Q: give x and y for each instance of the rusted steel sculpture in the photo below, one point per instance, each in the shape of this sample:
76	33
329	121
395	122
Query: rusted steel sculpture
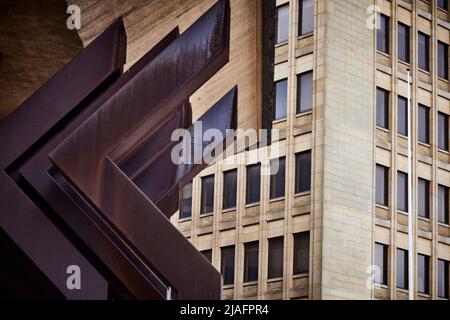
87	178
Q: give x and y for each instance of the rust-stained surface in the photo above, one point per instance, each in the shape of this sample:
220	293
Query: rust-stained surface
104	206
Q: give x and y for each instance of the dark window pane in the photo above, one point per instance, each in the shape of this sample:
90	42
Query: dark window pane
253	183
305	92
382	108
443	131
424	124
186	201
382	196
281	99
301	253
443	284
251	261
443	204
275	262
229	189
207	254
423	274
442	4
424	52
403	42
282	23
381	257
278	173
402	269
442	60
383	34
402	191
207	204
402	116
227	264
303	172
306	20
424	198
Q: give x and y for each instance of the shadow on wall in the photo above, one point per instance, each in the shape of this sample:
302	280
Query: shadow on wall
35	44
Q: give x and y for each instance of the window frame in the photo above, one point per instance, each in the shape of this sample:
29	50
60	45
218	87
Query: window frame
225	195
301	33
385	36
405	269
181	214
299	171
426	276
275	259
203	205
299	265
423	183
277	186
425	68
224	266
425	122
300	108
444	60
251	275
248	198
386	97
385	185
277	23
276	118
407	58
383	276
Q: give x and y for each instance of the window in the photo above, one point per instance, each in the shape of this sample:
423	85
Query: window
402	269
423	277
443	284
227	265
303	172
253	183
424	124
382	108
282	23
443	60
424	198
306	20
443	131
402	116
301	253
382	175
381	258
229	189
442	4
424	51
207	204
278	173
443	212
281	99
402	191
275	266
383	34
305	92
207	254
403	42
186	201
251	261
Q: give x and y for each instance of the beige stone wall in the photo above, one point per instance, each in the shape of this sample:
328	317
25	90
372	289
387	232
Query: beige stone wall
345	69
35	44
147	21
391	225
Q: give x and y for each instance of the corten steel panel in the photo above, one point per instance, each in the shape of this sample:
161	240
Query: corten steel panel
153	96
29	129
119	226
